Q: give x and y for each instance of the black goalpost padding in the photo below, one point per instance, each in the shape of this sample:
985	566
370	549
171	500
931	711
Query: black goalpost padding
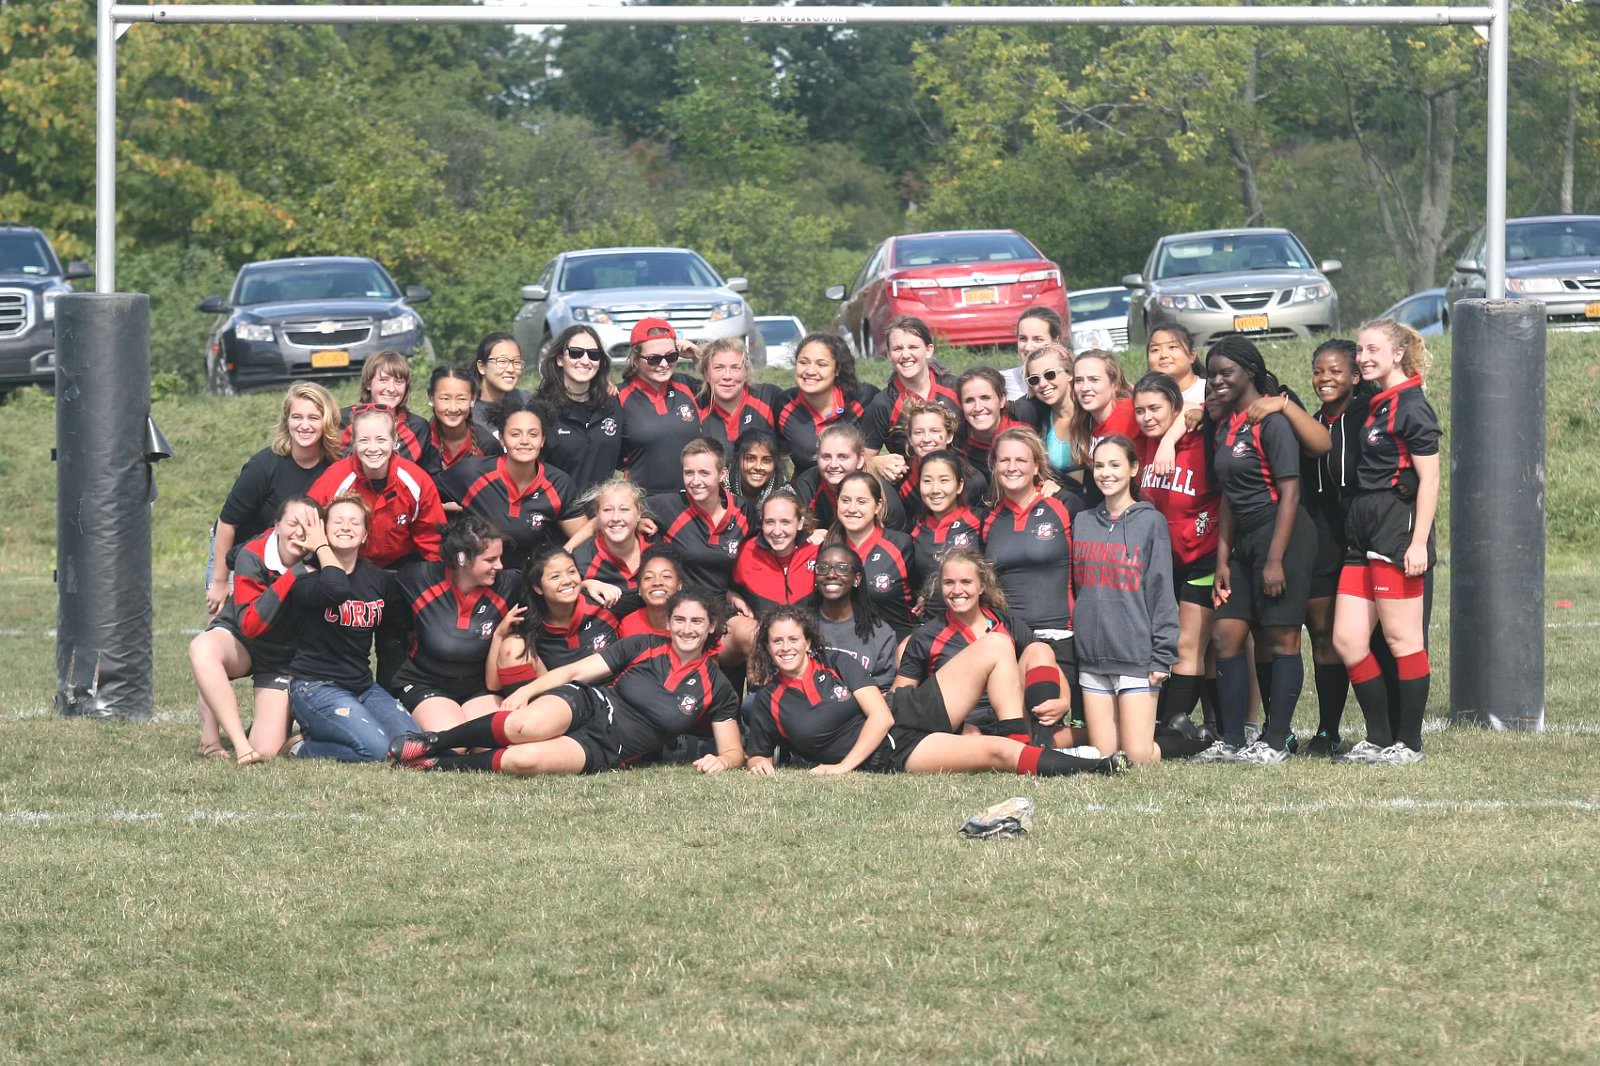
1497	493
105	443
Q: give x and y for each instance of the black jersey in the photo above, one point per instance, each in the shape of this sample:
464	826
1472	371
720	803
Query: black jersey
881	422
529	518
482	408
336	615
757	411
256	611
815	715
1399	426
1251	461
659	696
800	426
942	638
596	563
821	497
975	451
410	434
657	421
439	456
889	574
591	629
961	527
708	548
450	629
264	482
1031	548
586	442
975	486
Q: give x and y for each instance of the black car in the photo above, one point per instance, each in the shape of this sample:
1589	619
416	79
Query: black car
315	318
31	277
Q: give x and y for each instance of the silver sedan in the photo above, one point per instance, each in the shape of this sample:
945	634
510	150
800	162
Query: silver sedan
1554	259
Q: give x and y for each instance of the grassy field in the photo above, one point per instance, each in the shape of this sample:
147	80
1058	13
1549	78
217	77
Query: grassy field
158	908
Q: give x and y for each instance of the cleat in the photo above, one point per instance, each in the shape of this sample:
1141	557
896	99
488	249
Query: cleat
1365	753
408	748
1260	754
1116	763
1398	755
1321	744
1184	726
1219	751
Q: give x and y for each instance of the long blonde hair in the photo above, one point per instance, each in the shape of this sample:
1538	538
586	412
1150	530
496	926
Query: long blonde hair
1029	439
1414	357
309	390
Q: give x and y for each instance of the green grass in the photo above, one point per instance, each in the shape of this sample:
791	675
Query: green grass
157	908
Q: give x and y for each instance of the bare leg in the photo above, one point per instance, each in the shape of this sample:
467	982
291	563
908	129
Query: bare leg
943	753
478	706
546	718
1136	726
1100	715
216	658
438	713
1194	639
559	755
1353	621
987	666
270	730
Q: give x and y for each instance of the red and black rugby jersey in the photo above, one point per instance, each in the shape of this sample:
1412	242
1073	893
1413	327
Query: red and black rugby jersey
591	629
659	696
975	486
756	411
1188	498
657	421
931	538
1031	548
410	434
815	715
800	426
708	548
529	518
821	497
451	630
1399	426
596	563
255	612
1250	461
766	581
880	424
975	450
889	574
438	455
943	637
336	615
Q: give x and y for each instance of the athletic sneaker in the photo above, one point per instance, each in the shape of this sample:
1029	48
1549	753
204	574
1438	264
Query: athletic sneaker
1261	754
1006	819
1324	743
1365	753
1219	751
408	748
1398	754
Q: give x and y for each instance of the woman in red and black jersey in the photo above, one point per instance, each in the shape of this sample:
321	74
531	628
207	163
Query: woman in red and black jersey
386	380
531	503
562	625
1389	530
659	412
402	500
304	443
703	520
609	560
452	434
660	579
775	568
821	705
917	376
948	521
840	451
888	564
455	606
585	437
731	405
930	426
606	711
985	413
825	391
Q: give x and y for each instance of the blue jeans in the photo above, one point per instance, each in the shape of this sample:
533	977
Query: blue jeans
349	727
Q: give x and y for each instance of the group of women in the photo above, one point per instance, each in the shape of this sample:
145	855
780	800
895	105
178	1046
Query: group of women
940	575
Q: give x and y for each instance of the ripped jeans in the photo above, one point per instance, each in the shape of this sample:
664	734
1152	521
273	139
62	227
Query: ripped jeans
346	726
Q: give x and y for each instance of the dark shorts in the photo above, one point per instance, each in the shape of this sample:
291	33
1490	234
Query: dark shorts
1194	581
1380	523
412	686
1247	601
592	715
1066	654
896	749
1329	559
268	670
921	707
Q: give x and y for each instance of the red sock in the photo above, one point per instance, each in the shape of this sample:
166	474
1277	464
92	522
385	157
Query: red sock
497	727
1028	761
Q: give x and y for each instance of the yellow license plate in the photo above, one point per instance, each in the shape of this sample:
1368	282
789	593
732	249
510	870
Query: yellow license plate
1592	310
988	294
331	357
1249	323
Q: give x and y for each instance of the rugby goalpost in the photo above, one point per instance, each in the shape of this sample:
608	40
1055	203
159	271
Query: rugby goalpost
104	483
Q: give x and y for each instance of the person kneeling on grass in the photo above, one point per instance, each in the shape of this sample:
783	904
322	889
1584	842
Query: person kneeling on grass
822	706
605	711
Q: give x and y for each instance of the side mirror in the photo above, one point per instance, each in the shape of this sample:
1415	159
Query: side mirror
213	305
1331	266
535	293
79	268
738	284
417	294
1465	265
834	292
1133	281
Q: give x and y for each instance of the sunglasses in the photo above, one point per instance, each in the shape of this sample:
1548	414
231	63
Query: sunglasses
1048	375
664	359
842	569
587	355
370	408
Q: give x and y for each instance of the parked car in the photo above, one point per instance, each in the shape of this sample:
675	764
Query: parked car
1100	318
31	277
969	286
782	334
1554	259
609	289
1422	311
1259	282
319	317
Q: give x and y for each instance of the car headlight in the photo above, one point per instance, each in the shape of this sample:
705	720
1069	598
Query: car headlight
597	315
398	324
1320	291
49	299
732	309
1534	285
253	331
1084	339
1181	301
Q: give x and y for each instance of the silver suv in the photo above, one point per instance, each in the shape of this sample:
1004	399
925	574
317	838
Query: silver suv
609	289
1259	282
1554	259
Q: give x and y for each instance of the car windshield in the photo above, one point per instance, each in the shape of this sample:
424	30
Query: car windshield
949	249
779	330
314	281
1567	238
1109	304
1232	254
25	254
637	270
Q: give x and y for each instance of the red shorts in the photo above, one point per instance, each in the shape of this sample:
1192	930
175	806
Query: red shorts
1378	580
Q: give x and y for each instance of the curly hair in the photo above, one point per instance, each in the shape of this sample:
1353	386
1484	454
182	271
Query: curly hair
763	670
332	449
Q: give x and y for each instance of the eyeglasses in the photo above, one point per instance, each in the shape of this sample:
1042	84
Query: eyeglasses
370	408
842	569
664	359
1048	375
505	363
587	355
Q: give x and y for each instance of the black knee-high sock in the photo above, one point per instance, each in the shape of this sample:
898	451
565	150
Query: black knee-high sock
1415	676
1264	683
478	761
1177	746
1180	692
1288	677
1333	685
1367	681
1048	762
1391	678
1208	705
1233	696
487	731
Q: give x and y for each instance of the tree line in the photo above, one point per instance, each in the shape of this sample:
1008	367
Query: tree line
464	157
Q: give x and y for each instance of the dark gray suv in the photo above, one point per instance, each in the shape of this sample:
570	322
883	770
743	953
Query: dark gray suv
31	277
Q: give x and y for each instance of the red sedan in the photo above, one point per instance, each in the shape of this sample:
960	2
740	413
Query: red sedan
969	286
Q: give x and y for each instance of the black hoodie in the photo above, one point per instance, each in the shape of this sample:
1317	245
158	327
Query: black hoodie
1125	616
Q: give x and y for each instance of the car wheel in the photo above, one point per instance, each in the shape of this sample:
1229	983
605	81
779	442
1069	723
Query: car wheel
218	383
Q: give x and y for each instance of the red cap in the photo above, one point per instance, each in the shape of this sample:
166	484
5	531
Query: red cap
649	329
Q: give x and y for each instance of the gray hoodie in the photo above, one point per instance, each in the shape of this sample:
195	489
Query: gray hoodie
1125	615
